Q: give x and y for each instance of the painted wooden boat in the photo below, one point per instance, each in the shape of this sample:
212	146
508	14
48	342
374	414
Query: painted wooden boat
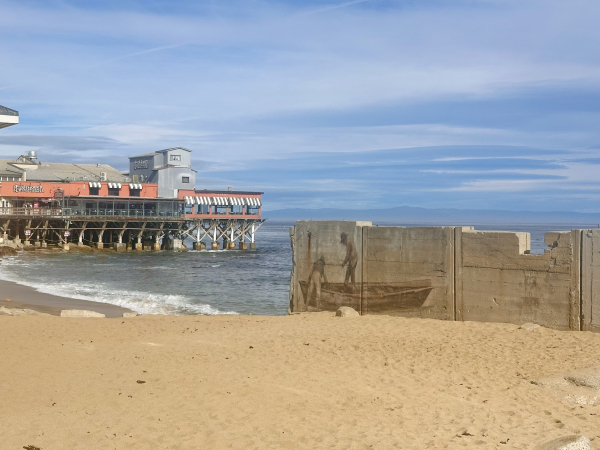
376	297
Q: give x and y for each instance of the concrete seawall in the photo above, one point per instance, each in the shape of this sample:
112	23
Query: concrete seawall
448	273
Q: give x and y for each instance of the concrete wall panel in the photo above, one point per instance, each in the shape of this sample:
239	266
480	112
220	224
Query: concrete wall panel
409	272
501	282
590	280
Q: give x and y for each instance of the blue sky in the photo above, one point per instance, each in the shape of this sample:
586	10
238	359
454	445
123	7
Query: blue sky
360	104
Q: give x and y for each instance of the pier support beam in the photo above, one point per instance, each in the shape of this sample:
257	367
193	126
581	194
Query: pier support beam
243	246
100	243
121	232
45	233
139	245
119	247
215	245
177	245
27	233
81	232
5	231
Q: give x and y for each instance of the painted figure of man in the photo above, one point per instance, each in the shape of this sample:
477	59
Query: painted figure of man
318	272
351	260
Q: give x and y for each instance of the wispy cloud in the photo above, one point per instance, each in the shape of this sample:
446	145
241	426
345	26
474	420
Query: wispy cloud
332	7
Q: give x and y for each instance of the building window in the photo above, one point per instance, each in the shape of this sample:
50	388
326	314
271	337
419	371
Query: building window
134	192
114	192
175	157
94	191
185	179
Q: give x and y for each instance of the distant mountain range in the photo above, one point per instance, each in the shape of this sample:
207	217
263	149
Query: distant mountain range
421	216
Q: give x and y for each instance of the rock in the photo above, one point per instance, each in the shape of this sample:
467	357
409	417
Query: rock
5	250
4	311
346	311
529	326
581	387
80	313
130	314
576	442
82	248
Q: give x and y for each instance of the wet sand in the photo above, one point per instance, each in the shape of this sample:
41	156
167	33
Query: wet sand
25	297
292	382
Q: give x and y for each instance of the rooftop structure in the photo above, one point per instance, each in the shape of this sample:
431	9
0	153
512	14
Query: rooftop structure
27	168
171	169
8	117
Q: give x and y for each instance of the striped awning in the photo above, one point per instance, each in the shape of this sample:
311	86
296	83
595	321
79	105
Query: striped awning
135	186
223	201
94	184
114	185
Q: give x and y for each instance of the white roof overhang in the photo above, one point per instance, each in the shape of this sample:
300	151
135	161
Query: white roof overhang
7	121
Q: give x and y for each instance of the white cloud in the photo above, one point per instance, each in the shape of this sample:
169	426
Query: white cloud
502	185
99	65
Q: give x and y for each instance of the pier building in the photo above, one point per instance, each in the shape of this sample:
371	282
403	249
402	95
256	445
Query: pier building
154	206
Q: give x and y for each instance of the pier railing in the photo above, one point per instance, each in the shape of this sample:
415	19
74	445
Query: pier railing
28	212
67	213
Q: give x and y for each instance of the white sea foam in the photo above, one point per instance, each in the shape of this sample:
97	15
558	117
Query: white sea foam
140	302
161	268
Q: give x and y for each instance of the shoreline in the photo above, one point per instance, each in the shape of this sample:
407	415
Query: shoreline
25	297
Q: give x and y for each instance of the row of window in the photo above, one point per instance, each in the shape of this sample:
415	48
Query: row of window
231	209
2	178
114	192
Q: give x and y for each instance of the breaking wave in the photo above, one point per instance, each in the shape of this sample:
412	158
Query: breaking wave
140	302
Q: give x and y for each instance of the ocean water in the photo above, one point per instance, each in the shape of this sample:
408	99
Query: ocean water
207	282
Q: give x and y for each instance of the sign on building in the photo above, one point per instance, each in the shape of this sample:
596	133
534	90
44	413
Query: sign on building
140	164
26	188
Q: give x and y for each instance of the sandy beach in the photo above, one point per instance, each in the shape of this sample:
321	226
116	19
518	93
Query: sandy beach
300	381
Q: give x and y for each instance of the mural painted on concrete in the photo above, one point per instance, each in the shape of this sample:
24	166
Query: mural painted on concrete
319	294
375	270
